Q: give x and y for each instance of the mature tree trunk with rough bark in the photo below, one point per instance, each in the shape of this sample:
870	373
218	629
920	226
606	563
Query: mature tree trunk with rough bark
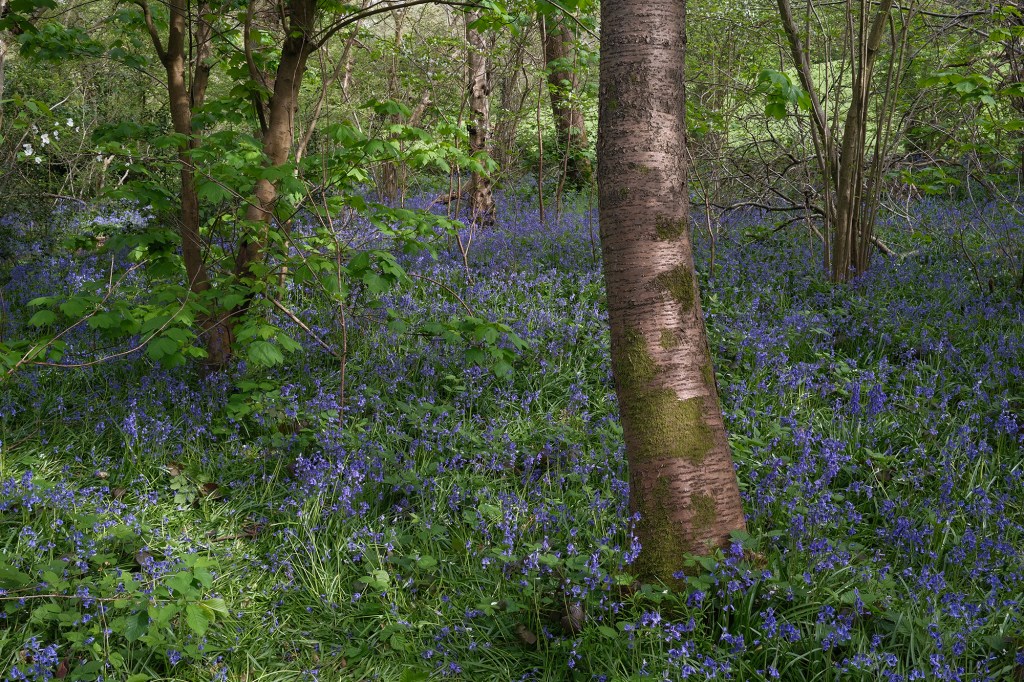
182	97
481	200
563	82
682	479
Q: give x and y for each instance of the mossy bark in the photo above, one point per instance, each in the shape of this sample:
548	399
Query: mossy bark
682	479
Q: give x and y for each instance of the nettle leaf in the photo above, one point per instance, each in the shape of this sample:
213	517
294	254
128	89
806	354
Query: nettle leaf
181	583
136	625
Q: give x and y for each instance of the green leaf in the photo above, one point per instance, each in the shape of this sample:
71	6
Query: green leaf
217	605
161	347
43	318
197	619
73	307
136	626
776	110
265	354
181	583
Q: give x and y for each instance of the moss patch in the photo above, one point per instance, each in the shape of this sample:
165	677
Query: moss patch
704	510
665	426
669	339
708	372
661	423
678	282
662	540
668	229
634	368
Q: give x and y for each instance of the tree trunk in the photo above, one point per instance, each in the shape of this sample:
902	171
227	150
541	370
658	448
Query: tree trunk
3	60
1013	51
481	200
280	133
682	479
217	330
392	173
563	82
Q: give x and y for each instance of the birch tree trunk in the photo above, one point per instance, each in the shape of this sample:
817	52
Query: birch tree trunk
682	479
481	199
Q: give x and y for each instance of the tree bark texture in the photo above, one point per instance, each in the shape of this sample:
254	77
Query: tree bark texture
682	479
563	83
481	199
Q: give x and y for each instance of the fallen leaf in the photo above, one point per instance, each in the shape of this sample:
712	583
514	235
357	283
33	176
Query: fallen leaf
525	636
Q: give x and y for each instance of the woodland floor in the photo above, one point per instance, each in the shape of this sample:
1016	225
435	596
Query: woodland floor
159	524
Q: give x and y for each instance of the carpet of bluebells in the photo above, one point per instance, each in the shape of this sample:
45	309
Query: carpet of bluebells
172	524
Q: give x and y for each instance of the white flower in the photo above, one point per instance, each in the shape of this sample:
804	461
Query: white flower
39	159
70	122
28	149
99	158
45	139
56	134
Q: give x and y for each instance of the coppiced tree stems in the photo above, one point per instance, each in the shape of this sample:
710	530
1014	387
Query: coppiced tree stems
682	480
848	211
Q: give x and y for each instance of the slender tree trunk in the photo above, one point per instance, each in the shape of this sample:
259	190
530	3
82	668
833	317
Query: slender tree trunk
682	480
392	172
181	95
563	83
1013	50
481	199
280	132
343	73
3	60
